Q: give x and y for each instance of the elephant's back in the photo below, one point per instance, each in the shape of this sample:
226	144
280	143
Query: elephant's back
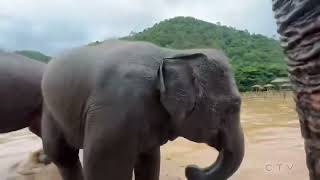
21	68
20	92
20	81
84	66
76	73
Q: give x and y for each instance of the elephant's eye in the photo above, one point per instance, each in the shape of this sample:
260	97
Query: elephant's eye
213	107
233	109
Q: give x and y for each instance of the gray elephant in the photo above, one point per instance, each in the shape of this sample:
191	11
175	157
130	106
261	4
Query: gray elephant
20	93
120	101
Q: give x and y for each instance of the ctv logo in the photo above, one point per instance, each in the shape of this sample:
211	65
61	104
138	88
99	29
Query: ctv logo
278	167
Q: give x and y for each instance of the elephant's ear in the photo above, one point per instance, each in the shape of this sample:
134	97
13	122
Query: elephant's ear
179	85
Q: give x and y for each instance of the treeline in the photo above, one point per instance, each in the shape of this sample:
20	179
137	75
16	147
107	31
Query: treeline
34	55
255	59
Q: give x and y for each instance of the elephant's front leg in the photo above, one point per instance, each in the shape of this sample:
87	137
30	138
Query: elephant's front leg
104	160
110	146
147	165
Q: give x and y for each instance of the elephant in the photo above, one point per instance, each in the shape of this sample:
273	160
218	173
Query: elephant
299	26
20	92
120	101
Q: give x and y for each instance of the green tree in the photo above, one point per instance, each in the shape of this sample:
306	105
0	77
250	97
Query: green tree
255	59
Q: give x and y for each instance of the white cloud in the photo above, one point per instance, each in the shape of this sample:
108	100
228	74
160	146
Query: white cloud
51	26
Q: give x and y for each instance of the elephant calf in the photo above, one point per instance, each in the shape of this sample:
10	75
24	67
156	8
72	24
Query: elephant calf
120	101
20	93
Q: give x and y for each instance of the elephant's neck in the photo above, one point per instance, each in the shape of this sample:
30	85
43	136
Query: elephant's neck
156	135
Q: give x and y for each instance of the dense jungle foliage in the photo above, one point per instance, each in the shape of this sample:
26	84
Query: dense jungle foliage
255	59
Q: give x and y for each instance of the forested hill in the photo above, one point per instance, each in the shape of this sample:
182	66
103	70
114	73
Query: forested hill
34	55
256	59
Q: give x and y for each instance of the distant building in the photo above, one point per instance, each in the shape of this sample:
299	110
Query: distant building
257	87
282	83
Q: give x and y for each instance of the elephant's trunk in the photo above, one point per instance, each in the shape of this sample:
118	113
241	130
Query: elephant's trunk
299	26
228	161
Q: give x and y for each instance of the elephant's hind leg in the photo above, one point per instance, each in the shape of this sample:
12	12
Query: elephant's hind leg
59	151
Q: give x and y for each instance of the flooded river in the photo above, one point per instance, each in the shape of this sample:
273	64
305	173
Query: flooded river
274	147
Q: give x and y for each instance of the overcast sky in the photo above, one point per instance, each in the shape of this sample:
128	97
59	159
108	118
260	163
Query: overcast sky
53	25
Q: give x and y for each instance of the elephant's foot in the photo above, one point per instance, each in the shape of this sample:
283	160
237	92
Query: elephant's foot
41	157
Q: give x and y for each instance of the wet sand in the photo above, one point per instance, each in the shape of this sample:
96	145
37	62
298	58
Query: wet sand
274	147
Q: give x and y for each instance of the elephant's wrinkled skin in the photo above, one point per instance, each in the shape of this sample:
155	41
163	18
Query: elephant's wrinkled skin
120	101
299	27
20	93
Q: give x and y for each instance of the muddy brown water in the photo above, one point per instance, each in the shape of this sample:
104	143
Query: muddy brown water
274	147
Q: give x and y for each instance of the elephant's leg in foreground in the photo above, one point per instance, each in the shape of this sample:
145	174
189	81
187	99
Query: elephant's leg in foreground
299	26
60	152
107	150
147	165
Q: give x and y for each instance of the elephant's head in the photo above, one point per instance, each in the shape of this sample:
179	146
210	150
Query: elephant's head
199	92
